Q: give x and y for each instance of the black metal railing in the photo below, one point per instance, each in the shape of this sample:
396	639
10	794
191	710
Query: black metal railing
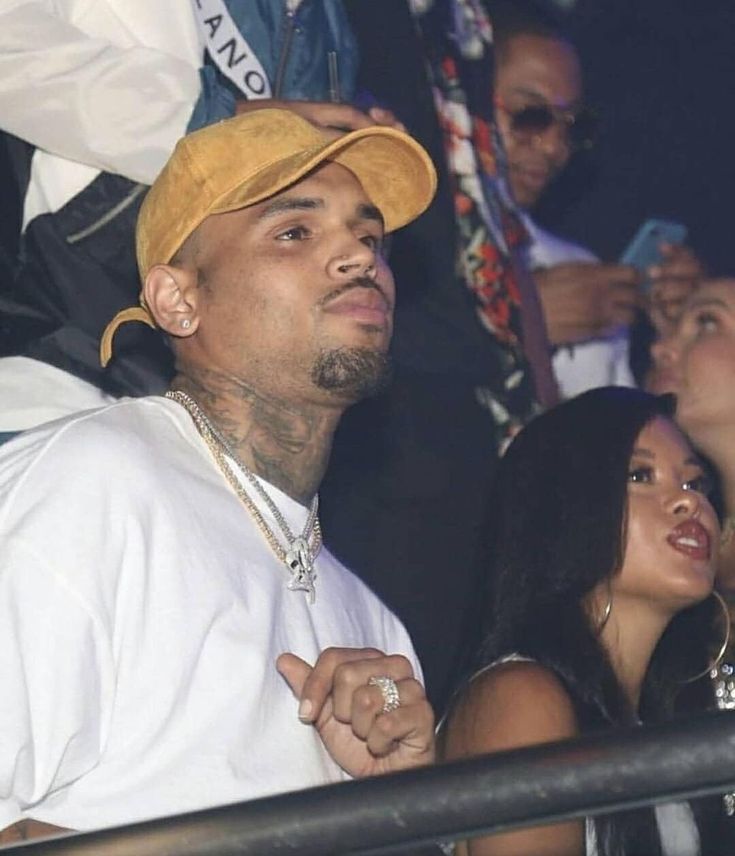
586	776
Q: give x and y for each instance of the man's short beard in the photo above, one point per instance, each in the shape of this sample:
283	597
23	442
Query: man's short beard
352	373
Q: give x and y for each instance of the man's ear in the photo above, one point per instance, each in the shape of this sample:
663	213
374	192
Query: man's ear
172	295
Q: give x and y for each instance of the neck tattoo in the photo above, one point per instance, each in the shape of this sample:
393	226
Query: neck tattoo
300	552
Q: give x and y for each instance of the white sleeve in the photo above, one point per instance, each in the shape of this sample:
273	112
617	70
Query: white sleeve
117	109
55	683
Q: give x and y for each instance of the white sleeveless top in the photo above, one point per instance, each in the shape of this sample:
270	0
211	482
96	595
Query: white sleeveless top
676	829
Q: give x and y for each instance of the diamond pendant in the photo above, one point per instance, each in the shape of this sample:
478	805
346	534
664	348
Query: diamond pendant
300	563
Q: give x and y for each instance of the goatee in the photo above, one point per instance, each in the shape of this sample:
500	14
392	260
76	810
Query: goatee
352	373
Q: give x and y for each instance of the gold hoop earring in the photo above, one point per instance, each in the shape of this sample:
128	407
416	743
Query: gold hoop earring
713	664
607	610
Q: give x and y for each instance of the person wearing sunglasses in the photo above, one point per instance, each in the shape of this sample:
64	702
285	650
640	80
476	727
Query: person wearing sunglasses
539	110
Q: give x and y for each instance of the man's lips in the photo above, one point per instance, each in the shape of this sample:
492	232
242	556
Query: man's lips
690	538
533	177
366	305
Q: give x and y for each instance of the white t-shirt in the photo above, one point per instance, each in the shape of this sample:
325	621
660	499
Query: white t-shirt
586	365
141	614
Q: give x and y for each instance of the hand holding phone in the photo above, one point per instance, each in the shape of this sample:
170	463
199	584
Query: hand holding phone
645	248
672	283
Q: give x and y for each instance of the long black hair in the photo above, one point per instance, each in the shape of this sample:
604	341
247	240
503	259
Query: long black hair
556	530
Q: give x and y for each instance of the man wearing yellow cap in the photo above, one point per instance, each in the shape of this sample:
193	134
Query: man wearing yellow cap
161	554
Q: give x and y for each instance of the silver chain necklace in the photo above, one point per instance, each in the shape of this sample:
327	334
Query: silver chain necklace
300	554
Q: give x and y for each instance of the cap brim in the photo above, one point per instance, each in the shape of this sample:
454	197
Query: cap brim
395	172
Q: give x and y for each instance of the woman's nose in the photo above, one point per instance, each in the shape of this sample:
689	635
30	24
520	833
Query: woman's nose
686	502
664	350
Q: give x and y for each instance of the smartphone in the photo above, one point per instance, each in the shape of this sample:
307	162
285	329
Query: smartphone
644	250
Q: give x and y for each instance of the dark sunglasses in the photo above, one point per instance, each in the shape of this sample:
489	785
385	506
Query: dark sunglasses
536	119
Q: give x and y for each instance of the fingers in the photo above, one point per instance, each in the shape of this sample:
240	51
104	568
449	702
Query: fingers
622	296
667	303
678	275
350	677
326	115
331	118
368	703
581	300
383	116
341	676
296	672
342	117
672	283
411	727
679	262
380	730
620	274
338	117
620	305
355	702
336	674
349	712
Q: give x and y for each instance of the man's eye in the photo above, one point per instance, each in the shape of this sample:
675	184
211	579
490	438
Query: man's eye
373	241
640	475
294	233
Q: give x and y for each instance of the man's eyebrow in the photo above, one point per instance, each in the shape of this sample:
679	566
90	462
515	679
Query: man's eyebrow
365	211
529	93
703	302
289	203
541	99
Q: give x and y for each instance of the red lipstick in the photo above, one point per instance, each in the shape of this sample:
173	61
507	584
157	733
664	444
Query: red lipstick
691	539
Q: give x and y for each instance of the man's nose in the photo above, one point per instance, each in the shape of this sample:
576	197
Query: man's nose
554	142
353	258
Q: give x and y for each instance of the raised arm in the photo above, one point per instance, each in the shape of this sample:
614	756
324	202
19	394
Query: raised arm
109	103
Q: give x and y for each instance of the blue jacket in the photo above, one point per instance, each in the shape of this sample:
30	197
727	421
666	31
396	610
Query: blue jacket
292	47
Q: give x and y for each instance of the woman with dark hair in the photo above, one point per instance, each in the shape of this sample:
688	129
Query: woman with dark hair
597	612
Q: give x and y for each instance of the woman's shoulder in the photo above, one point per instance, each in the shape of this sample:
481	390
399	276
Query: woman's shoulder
516	702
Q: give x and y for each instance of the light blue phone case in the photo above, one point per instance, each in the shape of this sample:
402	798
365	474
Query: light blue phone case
643	250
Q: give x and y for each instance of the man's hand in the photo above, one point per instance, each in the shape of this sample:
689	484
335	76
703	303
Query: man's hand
335	697
672	281
584	300
333	119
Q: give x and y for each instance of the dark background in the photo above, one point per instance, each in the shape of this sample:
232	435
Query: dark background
661	74
9	213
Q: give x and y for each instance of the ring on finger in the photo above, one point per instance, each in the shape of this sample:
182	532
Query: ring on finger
389	690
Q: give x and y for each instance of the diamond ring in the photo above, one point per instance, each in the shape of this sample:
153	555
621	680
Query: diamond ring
387	686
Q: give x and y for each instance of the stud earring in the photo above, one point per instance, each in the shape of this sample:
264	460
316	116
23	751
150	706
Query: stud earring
185	323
